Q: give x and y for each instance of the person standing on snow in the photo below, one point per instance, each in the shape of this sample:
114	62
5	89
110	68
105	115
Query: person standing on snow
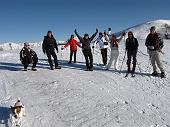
103	40
73	48
86	48
114	45
154	44
28	56
132	49
49	45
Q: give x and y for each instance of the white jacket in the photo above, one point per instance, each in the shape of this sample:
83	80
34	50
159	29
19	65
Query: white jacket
101	41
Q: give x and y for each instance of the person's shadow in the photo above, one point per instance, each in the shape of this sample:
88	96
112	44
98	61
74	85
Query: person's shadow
5	116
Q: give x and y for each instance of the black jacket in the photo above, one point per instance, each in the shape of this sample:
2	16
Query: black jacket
28	55
155	41
131	44
86	43
49	44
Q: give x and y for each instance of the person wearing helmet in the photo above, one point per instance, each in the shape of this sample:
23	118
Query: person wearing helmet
49	45
18	112
73	48
86	48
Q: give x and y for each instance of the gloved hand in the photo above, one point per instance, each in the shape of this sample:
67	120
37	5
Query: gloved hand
75	31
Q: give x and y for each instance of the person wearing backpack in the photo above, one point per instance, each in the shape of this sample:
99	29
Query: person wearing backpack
114	45
102	41
132	49
73	48
49	45
154	44
86	48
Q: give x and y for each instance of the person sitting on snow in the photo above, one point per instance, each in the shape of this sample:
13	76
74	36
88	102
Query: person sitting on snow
18	112
28	56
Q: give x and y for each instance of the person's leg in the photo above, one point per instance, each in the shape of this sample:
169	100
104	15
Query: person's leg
75	52
158	61
90	55
103	56
134	53
87	60
35	61
111	60
50	60
71	55
25	63
128	61
153	60
55	59
116	59
105	52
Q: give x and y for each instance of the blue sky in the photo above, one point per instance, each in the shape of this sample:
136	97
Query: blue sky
29	20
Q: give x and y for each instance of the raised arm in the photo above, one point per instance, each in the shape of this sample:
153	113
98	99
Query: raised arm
93	36
79	37
120	38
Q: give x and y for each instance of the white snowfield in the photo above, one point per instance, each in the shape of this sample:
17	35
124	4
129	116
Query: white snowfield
72	97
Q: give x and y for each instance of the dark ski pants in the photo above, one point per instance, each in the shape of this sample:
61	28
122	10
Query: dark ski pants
53	54
131	55
104	55
71	55
88	57
27	61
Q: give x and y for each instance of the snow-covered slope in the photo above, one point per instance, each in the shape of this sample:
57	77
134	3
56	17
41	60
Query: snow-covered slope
72	97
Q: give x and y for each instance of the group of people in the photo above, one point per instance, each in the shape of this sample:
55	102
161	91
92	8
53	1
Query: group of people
105	40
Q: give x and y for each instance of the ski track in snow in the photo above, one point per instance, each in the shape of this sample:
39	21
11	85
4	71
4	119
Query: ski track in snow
72	97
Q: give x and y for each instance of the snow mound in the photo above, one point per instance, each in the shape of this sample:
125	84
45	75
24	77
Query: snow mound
141	31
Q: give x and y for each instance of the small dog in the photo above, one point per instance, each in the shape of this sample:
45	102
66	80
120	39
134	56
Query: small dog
18	112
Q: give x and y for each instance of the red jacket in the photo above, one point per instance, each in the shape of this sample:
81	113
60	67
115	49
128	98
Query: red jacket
73	44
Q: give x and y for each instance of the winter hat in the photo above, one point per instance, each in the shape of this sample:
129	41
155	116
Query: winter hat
86	35
49	31
100	34
153	28
72	36
26	44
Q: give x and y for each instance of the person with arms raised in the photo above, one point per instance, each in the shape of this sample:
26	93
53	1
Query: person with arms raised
86	48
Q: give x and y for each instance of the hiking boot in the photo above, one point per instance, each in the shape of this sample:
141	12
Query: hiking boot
91	69
162	74
57	67
34	69
155	73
